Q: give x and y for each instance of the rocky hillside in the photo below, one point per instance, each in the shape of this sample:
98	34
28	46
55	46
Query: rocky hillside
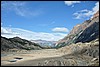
96	15
17	43
85	32
80	54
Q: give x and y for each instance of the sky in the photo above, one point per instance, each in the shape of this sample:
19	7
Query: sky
46	20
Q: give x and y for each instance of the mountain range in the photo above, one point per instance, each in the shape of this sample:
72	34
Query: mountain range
44	43
85	32
80	46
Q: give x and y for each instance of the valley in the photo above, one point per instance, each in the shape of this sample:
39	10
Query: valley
45	37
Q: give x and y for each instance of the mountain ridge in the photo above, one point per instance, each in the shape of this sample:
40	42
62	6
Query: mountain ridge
44	43
17	43
78	33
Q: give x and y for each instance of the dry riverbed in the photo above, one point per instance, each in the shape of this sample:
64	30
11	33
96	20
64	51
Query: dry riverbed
20	56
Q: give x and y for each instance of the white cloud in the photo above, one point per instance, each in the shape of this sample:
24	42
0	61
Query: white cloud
20	8
86	13
69	3
3	30
83	14
29	35
11	5
96	7
60	29
85	10
7	31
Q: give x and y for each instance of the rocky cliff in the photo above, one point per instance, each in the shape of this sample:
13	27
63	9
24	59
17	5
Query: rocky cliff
17	43
96	15
85	32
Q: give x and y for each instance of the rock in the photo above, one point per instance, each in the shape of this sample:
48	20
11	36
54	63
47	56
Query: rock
85	32
70	60
95	15
17	43
19	58
12	60
94	59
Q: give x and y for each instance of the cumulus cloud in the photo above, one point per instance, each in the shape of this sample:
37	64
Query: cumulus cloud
29	35
86	13
69	3
60	29
83	14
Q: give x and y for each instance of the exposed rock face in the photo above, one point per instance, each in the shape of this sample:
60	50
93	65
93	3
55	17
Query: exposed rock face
89	34
85	32
89	49
70	60
96	15
17	43
80	54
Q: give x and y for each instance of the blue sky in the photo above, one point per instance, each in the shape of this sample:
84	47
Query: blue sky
47	20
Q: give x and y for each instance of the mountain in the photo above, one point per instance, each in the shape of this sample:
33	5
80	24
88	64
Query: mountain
44	43
82	46
17	43
85	32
